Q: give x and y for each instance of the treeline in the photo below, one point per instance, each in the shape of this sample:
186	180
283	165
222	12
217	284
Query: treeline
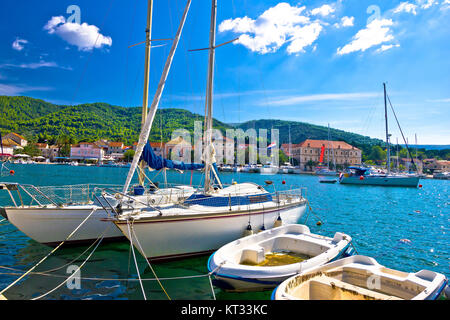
41	121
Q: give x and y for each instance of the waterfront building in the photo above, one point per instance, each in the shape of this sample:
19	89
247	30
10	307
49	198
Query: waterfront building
437	165
21	141
86	151
309	150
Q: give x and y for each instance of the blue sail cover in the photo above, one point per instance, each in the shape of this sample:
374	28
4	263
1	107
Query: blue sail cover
158	162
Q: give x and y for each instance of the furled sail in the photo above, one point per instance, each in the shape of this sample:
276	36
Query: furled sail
158	162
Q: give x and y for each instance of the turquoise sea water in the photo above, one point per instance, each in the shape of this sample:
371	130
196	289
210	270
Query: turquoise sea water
377	218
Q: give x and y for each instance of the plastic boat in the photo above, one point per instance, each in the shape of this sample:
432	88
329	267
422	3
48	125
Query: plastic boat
360	278
264	260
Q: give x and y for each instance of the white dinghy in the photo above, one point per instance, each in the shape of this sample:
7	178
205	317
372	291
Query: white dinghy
360	278
264	260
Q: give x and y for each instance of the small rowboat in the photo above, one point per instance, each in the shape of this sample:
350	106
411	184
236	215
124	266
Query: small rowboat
327	181
262	261
360	278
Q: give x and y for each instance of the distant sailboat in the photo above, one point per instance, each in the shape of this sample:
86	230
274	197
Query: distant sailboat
327	171
364	176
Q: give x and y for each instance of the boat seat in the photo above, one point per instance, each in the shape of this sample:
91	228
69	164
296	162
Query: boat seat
252	255
324	287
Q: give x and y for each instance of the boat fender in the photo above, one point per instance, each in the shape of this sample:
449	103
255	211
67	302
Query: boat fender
361	178
447	291
248	231
283	182
262	229
12	172
278	222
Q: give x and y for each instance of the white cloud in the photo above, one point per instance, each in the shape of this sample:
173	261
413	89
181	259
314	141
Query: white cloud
18	44
426	4
278	25
345	22
34	65
84	36
295	100
386	47
377	32
406	7
324	10
445	5
13	90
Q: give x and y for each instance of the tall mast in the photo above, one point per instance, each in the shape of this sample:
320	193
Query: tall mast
145	131
148	36
328	153
387	132
209	95
290	144
398	170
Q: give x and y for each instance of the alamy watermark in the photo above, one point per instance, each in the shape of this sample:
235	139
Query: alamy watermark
237	147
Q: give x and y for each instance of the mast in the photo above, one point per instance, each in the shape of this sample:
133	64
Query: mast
145	131
328	153
148	33
387	132
209	95
290	143
398	169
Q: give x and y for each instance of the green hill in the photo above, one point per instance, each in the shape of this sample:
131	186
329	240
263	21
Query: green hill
301	131
40	120
34	118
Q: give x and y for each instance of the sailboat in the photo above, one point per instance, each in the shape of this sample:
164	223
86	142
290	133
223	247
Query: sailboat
364	176
327	171
53	213
215	214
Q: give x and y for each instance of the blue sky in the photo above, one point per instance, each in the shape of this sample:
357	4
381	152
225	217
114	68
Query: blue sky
314	61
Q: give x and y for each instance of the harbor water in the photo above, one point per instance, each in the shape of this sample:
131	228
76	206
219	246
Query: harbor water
402	228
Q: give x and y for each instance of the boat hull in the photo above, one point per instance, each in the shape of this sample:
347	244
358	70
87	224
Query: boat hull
51	226
360	278
231	275
180	237
393	181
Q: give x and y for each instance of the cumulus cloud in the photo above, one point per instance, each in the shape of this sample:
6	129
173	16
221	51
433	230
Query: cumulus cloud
84	36
386	47
406	7
18	44
323	11
426	4
345	22
278	25
377	32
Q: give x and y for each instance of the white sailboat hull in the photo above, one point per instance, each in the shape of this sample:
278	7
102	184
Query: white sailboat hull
168	239
269	170
53	225
394	181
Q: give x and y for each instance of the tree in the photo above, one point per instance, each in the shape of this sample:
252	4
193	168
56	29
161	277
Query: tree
128	155
311	164
377	154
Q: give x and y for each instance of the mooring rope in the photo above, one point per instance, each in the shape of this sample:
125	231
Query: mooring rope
148	263
135	262
49	254
99	240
